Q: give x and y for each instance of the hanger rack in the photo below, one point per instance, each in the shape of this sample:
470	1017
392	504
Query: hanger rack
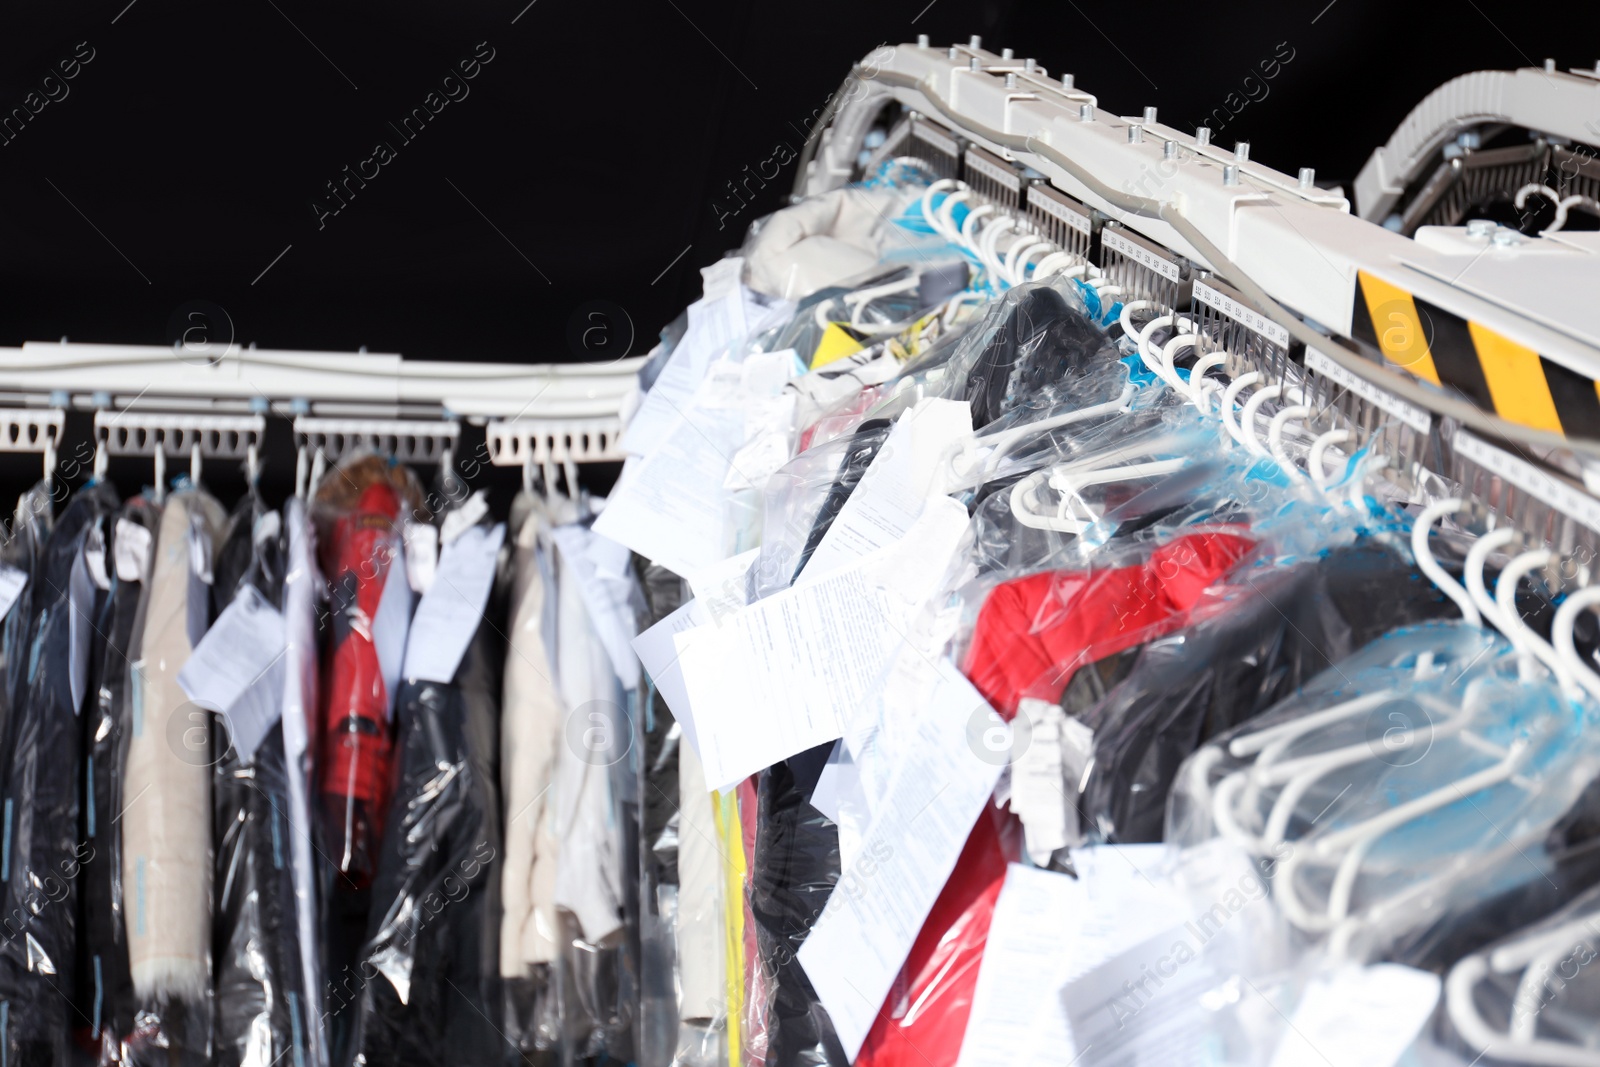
148	398
1194	229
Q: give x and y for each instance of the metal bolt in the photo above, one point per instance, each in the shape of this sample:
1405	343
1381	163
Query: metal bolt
1506	238
1481	227
1149	116
1006	53
1308	178
1135	134
1549	66
1169	149
973	64
1030	65
1230	174
975	42
1011	81
1202	136
1066	80
1085	112
1241	151
922	40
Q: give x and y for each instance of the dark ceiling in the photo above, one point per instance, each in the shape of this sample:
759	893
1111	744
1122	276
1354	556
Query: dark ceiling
189	156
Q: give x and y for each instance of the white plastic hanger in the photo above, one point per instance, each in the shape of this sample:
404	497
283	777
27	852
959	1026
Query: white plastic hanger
1566	617
1538	956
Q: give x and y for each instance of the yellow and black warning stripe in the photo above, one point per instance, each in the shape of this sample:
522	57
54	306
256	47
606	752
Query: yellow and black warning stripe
1488	368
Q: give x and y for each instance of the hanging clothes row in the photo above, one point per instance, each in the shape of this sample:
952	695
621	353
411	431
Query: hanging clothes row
1000	588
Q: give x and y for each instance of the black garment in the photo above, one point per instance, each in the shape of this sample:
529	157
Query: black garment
429	969
105	981
862	449
41	853
260	1001
1040	339
1287	626
792	872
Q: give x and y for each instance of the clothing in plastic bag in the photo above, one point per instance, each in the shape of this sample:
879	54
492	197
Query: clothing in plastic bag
430	990
1258	640
167	871
261	1002
43	850
358	508
105	981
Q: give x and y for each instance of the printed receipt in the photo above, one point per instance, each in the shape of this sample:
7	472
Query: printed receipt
896	486
917	832
792	671
453	606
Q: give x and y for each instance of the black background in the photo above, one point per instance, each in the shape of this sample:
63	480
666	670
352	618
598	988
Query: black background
586	161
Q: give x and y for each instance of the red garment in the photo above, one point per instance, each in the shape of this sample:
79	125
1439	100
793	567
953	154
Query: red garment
1031	636
357	741
928	1005
1034	632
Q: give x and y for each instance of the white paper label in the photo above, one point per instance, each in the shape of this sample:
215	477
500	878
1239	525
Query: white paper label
453	607
657	651
132	551
1530	479
12	582
422	555
1407	412
720	588
912	466
1358	1017
918	830
459	520
94	554
237	669
789	672
1038	781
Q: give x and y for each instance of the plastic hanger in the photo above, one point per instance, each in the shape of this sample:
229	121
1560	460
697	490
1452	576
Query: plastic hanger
1539	955
1565	620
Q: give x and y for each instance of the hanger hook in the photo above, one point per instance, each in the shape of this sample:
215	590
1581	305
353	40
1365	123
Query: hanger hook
302	470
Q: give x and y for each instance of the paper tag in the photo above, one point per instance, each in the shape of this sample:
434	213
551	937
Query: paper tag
131	550
12	582
268	526
80	626
1530	479
458	520
610	603
814	652
389	626
1358	1017
422	555
918	830
237	669
721	278
662	662
200	551
1038	780
1407	412
721	587
453	607
1034	921
94	554
906	472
